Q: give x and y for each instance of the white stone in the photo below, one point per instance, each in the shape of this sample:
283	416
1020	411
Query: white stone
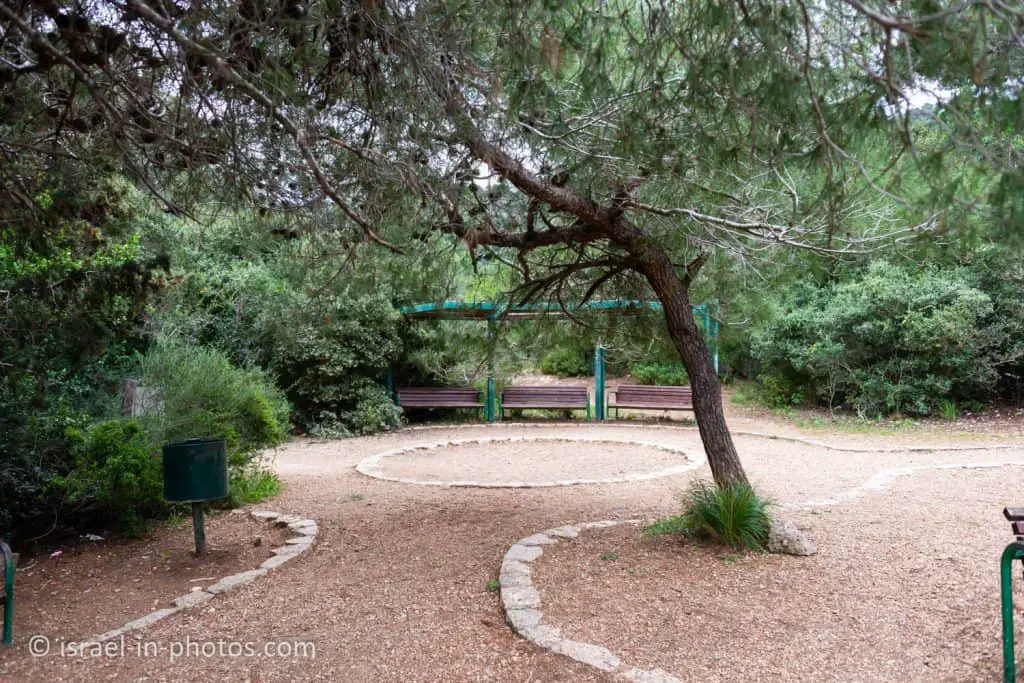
300	540
523	618
542	635
784	537
291	549
592	655
141	622
277	560
307	530
650	676
523	553
514	574
235	580
285	520
191	599
302	523
537	539
564	532
520	597
265	514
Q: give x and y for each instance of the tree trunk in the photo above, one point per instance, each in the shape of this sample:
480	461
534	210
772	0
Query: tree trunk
674	293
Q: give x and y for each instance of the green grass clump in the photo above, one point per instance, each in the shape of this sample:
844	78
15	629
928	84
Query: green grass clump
734	515
669	526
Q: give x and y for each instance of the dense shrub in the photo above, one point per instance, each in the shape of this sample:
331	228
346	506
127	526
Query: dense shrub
117	476
565	361
735	515
199	393
889	341
659	373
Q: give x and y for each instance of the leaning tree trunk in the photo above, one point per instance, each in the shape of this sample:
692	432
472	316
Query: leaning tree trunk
674	293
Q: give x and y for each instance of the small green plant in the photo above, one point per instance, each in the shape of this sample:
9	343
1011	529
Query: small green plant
492	586
609	557
729	558
178	518
669	526
948	410
356	497
252	485
734	515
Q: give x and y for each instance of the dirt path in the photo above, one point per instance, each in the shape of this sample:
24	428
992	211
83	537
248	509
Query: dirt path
396	587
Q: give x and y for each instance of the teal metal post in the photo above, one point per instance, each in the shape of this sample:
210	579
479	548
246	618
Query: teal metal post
1013	551
8	558
491	412
389	381
599	383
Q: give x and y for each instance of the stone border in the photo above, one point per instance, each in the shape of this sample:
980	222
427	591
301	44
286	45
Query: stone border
681	428
370	466
306	530
521	602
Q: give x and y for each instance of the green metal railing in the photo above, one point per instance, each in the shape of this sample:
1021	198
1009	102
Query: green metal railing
8	557
1014	551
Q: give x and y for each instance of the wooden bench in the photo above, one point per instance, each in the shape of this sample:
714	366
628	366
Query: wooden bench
439	397
1016	518
650	397
545	398
9	560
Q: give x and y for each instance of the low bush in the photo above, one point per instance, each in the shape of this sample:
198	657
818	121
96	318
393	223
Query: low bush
199	393
374	411
660	373
117	478
735	516
564	361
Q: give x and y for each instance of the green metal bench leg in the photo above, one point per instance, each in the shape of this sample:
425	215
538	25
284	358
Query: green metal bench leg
8	592
1013	551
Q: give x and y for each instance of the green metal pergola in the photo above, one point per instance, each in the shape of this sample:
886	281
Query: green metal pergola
493	312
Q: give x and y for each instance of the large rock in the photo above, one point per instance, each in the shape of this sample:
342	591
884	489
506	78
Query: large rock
784	537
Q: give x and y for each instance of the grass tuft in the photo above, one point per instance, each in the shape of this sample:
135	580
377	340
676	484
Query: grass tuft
734	516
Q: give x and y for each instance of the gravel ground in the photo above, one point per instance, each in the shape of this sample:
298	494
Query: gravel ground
395	589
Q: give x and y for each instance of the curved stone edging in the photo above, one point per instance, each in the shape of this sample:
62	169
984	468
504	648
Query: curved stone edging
521	602
370	466
671	427
305	530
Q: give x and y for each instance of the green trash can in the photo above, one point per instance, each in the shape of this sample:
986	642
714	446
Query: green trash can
196	471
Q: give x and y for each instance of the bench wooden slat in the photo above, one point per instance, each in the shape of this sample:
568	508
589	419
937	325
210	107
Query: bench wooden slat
439	397
647	396
545	397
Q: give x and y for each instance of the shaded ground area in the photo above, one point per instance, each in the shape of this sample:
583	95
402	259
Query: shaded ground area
396	588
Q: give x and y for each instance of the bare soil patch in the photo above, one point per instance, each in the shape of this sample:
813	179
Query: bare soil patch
92	587
530	462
